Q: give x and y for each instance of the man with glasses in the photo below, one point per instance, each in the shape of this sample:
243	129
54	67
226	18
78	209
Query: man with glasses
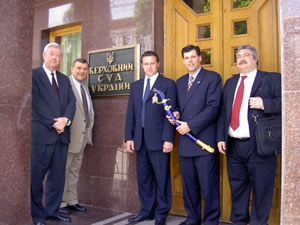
250	93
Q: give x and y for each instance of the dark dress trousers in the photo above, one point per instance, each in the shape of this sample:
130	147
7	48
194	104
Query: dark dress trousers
48	148
152	164
246	169
199	107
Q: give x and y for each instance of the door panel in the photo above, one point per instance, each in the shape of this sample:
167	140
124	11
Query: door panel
227	32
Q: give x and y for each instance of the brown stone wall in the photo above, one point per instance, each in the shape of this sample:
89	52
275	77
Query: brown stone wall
15	102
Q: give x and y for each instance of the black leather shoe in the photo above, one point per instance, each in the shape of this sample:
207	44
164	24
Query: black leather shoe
40	223
77	208
61	218
64	210
139	218
187	223
160	221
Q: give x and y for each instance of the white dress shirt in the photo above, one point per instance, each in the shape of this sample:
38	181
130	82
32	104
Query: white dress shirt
48	72
152	81
195	75
243	130
77	85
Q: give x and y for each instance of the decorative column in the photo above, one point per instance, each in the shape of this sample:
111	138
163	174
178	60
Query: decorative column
16	31
290	62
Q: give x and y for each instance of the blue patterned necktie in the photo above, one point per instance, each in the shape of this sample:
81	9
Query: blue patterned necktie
147	91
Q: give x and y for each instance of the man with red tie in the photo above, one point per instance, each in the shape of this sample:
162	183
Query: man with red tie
246	95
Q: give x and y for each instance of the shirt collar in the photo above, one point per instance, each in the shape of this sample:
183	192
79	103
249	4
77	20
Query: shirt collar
76	81
252	73
48	72
196	73
153	77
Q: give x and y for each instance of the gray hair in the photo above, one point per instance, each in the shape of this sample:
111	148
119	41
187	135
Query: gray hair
249	47
51	45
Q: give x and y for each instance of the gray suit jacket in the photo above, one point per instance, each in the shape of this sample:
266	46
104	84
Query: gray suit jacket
78	128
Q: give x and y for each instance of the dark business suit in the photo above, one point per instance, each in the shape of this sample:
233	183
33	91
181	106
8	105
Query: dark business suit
48	148
199	107
153	166
246	169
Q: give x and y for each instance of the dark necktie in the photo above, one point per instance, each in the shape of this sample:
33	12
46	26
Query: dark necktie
147	91
55	87
191	81
235	114
85	106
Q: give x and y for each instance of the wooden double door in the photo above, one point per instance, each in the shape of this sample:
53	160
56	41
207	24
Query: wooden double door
218	27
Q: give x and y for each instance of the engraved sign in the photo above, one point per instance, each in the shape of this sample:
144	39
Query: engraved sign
111	71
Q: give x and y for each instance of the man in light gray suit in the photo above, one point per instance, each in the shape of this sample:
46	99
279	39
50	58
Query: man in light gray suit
81	134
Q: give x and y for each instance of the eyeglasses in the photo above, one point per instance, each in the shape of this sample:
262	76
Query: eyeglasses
243	55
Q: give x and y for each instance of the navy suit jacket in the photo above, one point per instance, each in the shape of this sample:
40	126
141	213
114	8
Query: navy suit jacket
199	107
266	85
45	107
157	128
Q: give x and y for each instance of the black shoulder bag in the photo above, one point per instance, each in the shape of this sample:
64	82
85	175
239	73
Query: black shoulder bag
268	135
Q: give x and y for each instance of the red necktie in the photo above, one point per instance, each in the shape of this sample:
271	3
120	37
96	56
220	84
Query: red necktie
55	87
191	81
235	114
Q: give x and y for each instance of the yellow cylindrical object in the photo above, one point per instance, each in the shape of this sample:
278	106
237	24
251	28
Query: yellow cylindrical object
205	146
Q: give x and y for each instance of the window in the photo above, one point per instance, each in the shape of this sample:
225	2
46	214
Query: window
204	32
240	3
70	41
240	27
206	57
199	6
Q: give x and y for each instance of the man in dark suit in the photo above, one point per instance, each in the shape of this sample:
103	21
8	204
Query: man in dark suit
149	134
199	98
53	108
251	93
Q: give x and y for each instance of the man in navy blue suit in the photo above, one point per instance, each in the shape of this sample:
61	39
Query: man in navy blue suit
199	98
53	108
149	134
246	95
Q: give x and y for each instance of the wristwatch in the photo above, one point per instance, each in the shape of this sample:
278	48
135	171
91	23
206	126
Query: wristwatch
68	122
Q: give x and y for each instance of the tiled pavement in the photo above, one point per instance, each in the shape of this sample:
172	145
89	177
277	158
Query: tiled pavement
100	216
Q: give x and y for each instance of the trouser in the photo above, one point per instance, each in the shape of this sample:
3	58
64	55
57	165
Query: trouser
47	160
248	171
200	178
154	182
74	161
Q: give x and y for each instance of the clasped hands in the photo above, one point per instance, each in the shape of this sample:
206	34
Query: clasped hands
60	124
183	128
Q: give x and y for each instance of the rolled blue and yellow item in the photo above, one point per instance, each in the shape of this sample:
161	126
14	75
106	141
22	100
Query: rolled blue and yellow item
167	108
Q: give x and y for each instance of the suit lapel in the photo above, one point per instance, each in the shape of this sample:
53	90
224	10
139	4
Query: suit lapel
233	87
61	90
139	93
194	87
45	80
257	82
155	85
77	96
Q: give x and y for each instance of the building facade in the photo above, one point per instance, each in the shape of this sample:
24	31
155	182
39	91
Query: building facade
108	174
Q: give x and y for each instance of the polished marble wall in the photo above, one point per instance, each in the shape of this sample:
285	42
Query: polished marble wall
16	27
108	174
290	62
